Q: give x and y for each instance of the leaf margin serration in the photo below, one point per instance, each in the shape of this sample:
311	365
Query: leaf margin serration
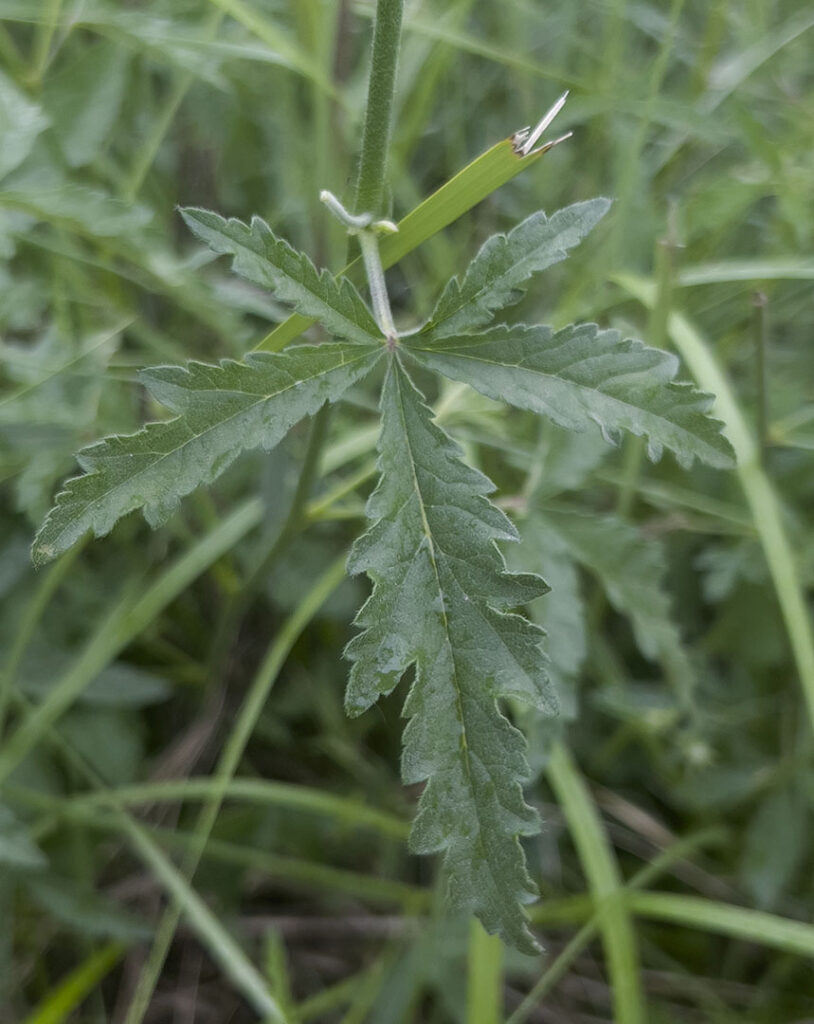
426	835
167	385
266	259
498	274
502	380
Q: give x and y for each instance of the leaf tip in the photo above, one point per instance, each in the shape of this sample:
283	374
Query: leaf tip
186	212
725	456
41	554
44	548
195	218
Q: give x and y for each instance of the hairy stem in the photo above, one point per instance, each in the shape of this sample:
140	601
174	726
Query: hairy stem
379	113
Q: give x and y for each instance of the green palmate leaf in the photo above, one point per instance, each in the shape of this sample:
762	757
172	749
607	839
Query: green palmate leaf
581	375
222	410
496	276
262	257
440	601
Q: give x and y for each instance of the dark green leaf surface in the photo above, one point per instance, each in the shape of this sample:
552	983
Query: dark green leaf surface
632	571
562	613
582	375
496	276
222	410
440	598
17	850
775	843
84	910
262	257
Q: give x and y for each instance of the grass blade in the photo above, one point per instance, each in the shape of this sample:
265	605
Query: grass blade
559	967
306	799
777	269
737	922
220	943
226	768
76	986
602	872
484	996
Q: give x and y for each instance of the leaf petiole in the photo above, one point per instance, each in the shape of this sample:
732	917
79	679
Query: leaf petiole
378	288
367	230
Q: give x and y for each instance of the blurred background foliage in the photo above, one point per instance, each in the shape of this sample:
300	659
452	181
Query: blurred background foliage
682	699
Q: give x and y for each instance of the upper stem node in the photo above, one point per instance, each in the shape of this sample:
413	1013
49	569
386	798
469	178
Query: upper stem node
356	222
366	229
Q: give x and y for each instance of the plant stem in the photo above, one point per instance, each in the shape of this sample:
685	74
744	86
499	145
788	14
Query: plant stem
379	114
362	226
470	186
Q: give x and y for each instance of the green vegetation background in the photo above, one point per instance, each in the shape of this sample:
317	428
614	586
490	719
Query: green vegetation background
677	632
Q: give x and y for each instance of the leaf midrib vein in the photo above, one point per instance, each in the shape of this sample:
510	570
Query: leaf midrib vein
490	282
298	284
455	682
196	437
431	542
581	387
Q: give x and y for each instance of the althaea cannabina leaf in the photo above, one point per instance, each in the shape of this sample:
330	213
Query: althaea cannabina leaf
223	409
440	601
582	375
262	257
496	277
